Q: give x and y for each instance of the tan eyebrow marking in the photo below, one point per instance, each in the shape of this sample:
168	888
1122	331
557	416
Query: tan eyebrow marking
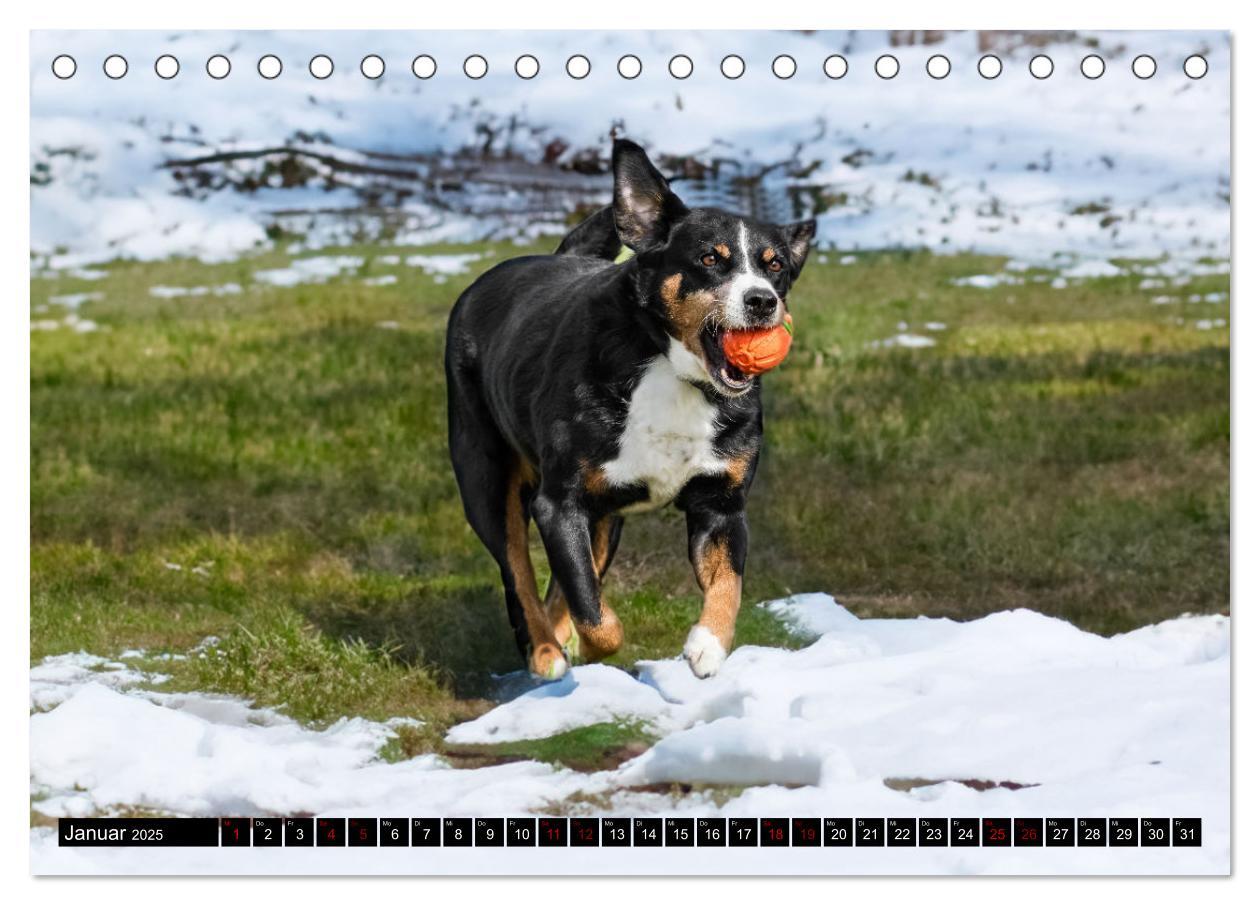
769	255
723	250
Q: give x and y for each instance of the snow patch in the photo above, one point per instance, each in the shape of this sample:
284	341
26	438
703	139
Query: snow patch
175	292
1133	724
75	299
197	754
443	265
70	321
1088	270
57	678
309	270
903	341
1017	166
585	696
989	280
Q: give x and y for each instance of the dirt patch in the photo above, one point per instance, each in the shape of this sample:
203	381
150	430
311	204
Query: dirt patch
907	784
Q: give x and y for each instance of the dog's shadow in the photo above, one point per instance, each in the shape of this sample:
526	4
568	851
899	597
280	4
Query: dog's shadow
460	636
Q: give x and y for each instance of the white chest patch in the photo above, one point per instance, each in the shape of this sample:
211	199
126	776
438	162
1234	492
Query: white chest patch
668	437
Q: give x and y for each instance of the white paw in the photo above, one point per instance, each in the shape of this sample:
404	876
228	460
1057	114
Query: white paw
558	669
704	652
549	663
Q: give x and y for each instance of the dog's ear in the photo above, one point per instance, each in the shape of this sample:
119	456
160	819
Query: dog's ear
644	208
798	237
594	237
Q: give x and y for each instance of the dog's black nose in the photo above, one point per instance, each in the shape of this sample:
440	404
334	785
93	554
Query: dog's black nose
760	303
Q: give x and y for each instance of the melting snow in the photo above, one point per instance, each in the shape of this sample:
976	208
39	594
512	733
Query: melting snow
1092	270
1136	724
309	270
904	341
71	321
989	280
443	265
1012	160
173	292
75	299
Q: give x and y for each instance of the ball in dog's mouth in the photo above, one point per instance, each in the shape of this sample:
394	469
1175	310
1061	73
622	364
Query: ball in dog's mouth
722	371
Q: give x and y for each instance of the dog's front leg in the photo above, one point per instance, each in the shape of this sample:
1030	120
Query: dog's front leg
565	526
717	542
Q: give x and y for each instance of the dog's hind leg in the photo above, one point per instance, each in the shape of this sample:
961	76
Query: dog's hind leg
495	484
544	654
566	530
605	536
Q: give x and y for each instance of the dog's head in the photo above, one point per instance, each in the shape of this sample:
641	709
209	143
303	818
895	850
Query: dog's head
702	272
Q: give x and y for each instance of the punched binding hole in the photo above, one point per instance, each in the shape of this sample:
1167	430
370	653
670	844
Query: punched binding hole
629	66
269	66
887	66
1041	66
732	66
115	66
938	66
783	67
1144	66
166	66
527	66
835	66
218	66
680	66
990	66
475	66
1093	66
64	66
320	66
423	66
1195	66
372	66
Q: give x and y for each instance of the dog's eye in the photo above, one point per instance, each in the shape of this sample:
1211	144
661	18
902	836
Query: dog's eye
708	260
775	265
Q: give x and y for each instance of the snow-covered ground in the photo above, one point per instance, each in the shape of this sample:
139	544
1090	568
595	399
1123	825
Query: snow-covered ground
1074	724
1015	165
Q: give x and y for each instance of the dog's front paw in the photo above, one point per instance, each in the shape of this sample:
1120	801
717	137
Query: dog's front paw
548	662
704	652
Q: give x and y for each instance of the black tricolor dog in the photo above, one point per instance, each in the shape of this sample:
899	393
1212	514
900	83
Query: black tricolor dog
580	389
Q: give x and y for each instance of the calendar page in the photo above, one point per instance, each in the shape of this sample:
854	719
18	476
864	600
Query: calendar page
724	452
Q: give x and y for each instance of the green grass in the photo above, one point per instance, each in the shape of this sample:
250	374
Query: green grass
270	468
597	747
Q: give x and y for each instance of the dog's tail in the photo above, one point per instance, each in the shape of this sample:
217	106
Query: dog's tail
594	237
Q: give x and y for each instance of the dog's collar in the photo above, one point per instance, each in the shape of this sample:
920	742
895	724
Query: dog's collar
624	255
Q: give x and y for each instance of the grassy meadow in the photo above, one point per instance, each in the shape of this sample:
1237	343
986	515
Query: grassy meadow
269	468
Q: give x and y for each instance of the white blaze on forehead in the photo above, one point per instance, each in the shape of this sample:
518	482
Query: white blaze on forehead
746	278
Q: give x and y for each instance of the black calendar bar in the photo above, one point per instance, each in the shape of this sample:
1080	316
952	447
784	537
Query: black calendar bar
817	833
149	832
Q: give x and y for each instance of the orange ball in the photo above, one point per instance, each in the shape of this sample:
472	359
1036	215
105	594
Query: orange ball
757	351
